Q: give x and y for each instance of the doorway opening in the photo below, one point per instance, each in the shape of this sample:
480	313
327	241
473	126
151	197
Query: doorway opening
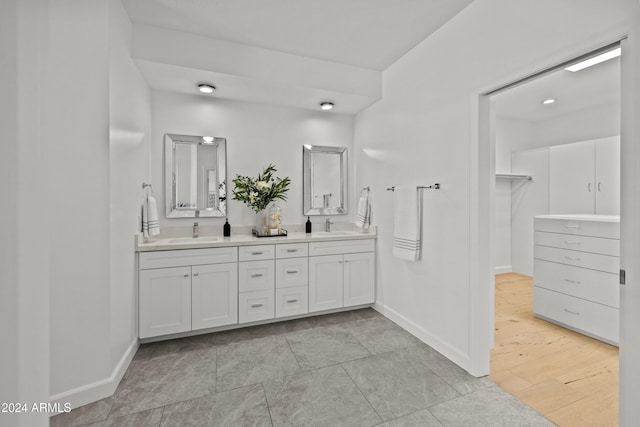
556	135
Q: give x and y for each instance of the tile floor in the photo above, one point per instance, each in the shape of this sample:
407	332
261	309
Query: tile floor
355	368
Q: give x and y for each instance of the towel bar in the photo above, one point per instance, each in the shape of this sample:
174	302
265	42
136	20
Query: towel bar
435	186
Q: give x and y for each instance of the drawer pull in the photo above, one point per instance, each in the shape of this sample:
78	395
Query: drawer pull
570	242
256	275
292	300
572	312
570	258
195	274
572	281
256	305
256	253
292	271
292	250
186	275
339	262
577	227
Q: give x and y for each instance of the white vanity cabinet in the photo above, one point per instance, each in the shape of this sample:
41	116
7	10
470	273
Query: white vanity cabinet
185	290
256	283
341	274
576	273
292	279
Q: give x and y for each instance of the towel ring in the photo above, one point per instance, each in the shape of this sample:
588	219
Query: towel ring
145	185
367	189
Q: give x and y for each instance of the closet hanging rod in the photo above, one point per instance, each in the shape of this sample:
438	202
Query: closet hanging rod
435	186
513	176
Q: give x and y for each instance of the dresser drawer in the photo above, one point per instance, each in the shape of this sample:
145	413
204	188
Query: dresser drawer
599	262
187	257
593	319
255	275
341	247
292	272
256	252
256	305
292	301
292	250
597	245
581	227
592	285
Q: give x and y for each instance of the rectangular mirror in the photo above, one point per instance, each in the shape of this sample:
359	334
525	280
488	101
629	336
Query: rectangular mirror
324	180
195	176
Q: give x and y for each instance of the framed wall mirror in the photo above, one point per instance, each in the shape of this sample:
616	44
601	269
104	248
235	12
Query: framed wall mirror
195	176
324	180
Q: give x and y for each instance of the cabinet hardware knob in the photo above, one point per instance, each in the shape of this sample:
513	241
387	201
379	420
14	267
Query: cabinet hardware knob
572	281
195	274
292	250
572	312
599	191
577	227
186	275
339	262
346	262
292	271
570	258
569	242
256	275
292	300
589	187
256	305
256	253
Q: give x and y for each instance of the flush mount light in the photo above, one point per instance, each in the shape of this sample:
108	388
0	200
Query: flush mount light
206	87
548	101
326	105
207	139
594	60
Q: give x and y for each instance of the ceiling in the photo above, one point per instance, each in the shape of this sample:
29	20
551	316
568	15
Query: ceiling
585	89
364	33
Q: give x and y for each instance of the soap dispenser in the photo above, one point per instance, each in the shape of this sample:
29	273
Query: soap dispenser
226	229
307	225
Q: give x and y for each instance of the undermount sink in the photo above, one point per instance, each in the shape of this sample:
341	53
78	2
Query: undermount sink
194	239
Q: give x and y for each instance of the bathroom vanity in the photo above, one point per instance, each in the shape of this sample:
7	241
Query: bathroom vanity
198	285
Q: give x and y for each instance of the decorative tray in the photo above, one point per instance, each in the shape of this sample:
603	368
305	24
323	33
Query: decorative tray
283	232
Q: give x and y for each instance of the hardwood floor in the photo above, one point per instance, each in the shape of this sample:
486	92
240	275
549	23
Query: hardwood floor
568	377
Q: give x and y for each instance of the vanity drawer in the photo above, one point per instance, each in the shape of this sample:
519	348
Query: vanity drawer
588	317
186	257
341	247
256	252
599	262
292	301
609	229
292	250
592	285
597	245
256	305
292	272
255	275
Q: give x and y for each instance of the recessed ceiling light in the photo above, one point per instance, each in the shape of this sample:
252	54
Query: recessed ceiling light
326	105
208	139
548	101
594	60
206	88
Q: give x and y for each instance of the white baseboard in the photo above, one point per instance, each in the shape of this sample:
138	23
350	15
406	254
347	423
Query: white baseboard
504	269
455	355
100	389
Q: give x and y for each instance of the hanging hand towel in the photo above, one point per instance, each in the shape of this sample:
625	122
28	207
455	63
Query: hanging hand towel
150	223
407	223
363	214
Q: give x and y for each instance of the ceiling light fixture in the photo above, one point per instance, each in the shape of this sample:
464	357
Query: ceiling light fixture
594	60
548	101
326	105
206	87
207	139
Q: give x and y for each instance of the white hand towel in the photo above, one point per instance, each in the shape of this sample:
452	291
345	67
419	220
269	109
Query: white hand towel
407	223
150	223
363	214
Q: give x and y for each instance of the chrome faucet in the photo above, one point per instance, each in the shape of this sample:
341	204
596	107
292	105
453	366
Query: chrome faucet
196	230
327	225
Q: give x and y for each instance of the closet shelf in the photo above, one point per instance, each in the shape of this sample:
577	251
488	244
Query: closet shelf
514	176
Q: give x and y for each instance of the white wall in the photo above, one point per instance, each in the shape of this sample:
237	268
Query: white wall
129	139
257	134
421	133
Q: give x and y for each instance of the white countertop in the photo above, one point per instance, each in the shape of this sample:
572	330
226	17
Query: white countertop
582	217
173	243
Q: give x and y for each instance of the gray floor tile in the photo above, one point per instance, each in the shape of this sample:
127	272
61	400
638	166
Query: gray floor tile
164	380
379	335
397	385
96	411
279	328
422	418
150	418
316	348
250	362
174	346
341	317
244	406
490	406
231	336
323	397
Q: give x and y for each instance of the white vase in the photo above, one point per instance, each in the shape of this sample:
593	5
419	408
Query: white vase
262	222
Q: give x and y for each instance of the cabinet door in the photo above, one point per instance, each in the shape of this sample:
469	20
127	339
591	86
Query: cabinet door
359	279
164	301
214	291
325	282
571	183
608	176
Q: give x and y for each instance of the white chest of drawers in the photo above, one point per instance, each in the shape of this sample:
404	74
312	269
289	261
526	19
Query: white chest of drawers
576	269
